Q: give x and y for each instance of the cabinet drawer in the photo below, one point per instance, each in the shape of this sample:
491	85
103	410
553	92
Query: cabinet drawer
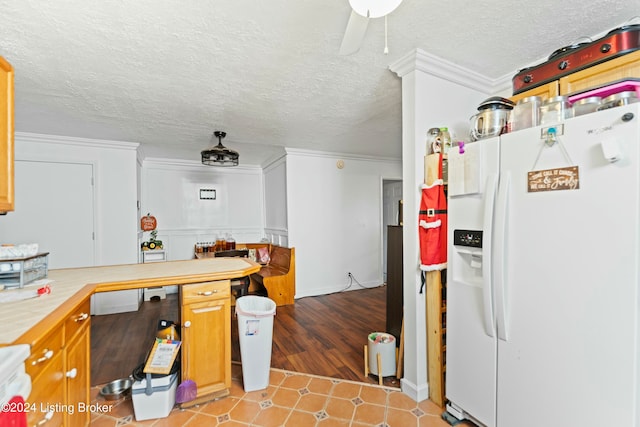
47	395
80	317
205	291
44	352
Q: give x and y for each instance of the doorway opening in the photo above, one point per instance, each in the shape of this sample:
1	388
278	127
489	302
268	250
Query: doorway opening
391	215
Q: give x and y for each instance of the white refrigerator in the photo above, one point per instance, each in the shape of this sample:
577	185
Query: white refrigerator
543	273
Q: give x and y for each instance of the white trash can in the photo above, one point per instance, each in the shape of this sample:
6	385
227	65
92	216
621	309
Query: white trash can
154	399
385	345
255	332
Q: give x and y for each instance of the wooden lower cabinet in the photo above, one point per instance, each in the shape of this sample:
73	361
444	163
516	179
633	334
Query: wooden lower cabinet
60	371
77	369
206	337
46	368
77	377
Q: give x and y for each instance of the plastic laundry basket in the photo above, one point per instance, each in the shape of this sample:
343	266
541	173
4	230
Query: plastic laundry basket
255	332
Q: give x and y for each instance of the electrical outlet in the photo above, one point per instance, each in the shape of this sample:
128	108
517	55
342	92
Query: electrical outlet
349	275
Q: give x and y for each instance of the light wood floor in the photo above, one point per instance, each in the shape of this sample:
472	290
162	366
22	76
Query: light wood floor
322	335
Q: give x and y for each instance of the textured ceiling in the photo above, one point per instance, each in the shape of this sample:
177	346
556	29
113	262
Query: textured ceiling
168	73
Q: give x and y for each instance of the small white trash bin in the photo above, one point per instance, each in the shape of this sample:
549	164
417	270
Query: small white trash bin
385	345
154	399
255	332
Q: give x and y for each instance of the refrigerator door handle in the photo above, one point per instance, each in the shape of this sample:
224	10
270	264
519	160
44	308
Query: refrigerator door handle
501	253
487	264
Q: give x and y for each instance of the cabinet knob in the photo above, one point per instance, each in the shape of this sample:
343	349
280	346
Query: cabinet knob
207	293
72	373
48	354
47	417
187	324
81	318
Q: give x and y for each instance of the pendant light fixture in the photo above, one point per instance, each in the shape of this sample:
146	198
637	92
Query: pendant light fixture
220	155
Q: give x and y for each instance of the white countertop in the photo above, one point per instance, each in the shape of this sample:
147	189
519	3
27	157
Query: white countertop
18	317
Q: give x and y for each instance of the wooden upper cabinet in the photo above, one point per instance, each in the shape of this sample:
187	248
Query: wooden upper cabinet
6	136
620	68
623	67
548	90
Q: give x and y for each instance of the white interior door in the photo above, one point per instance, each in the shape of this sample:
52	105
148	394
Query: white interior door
54	208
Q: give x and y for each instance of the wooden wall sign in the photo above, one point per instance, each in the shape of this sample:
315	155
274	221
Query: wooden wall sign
553	179
148	223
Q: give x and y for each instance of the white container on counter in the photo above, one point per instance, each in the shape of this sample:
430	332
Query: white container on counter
586	105
526	113
619	99
555	110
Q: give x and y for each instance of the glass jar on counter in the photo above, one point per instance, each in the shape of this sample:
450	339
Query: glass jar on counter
555	110
230	244
445	138
433	141
586	105
526	113
619	99
220	243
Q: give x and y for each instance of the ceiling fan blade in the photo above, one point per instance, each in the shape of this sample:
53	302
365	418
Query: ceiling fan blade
354	34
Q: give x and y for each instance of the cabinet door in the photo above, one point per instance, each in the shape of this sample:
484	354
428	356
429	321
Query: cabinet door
6	136
77	377
623	67
206	351
545	91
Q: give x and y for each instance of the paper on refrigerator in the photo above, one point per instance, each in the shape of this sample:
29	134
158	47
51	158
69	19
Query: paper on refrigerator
464	170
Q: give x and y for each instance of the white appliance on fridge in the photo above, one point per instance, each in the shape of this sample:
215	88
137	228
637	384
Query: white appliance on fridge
543	275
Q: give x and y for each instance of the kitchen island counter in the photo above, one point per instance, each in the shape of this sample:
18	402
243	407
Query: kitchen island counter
27	320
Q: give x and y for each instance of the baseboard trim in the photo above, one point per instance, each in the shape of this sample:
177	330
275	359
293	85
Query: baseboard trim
417	393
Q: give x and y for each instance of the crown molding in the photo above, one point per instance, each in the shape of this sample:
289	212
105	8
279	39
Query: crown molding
70	140
430	64
274	160
333	155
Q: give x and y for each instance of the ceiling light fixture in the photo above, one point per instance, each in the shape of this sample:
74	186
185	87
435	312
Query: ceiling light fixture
374	8
369	9
220	155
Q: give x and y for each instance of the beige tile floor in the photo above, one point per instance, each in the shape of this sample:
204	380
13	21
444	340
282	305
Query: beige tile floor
291	399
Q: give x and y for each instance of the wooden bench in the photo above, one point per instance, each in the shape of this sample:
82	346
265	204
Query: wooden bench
278	277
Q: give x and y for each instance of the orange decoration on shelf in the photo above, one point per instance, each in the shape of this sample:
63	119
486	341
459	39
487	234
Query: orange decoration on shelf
148	223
